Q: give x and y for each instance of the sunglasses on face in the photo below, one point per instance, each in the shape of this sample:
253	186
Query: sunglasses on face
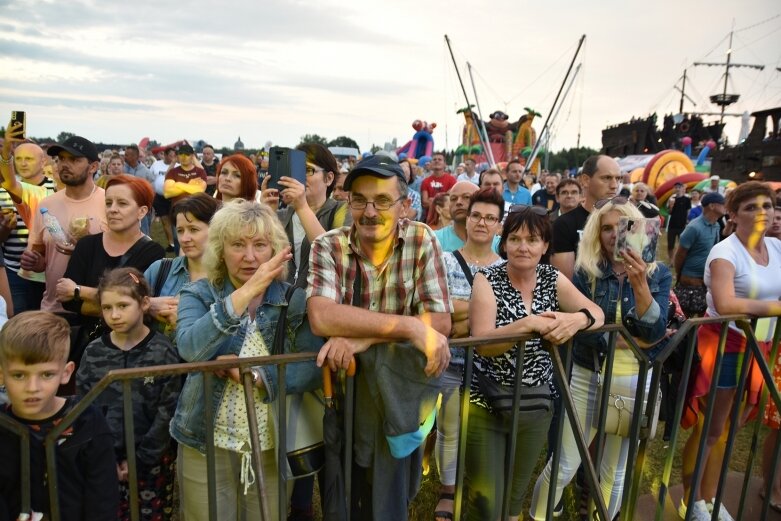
538	210
615	200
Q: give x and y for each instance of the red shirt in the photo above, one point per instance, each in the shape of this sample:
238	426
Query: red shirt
437	185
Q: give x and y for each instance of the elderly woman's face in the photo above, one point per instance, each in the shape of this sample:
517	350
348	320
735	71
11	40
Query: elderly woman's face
524	249
639	193
243	255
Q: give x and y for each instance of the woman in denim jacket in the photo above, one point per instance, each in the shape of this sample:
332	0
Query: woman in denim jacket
231	313
630	292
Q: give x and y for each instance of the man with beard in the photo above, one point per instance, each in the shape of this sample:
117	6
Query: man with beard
453	236
29	160
378	290
80	209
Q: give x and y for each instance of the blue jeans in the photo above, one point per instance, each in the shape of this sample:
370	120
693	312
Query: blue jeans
26	294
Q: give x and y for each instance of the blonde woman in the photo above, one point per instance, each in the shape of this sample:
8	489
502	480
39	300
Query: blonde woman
630	292
229	314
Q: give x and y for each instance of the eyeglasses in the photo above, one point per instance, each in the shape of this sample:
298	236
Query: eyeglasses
537	210
380	205
310	171
490	220
615	200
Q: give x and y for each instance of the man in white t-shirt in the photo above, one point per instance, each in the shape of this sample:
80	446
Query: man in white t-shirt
162	206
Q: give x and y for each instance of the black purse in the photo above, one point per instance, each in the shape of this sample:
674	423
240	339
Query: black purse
500	397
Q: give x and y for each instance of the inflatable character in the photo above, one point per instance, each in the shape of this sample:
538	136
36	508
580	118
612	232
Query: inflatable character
422	142
470	137
499	136
526	136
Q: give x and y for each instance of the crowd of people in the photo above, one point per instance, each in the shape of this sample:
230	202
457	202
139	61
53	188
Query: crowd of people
380	264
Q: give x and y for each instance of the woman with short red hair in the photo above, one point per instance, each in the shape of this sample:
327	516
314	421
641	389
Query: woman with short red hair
122	244
236	179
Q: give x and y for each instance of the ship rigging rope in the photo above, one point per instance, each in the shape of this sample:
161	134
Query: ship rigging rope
758	23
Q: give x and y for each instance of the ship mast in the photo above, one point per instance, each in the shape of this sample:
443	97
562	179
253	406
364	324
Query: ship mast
724	99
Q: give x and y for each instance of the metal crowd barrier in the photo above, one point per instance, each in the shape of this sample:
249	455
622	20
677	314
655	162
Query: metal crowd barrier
638	430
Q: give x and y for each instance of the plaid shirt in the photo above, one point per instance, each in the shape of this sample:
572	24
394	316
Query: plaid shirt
411	281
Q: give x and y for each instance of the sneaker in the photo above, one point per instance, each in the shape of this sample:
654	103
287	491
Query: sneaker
723	514
701	511
170	249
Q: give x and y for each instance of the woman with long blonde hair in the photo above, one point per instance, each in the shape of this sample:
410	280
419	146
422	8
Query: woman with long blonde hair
630	292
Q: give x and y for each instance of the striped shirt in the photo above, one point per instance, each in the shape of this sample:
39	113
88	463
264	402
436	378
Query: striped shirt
411	281
16	243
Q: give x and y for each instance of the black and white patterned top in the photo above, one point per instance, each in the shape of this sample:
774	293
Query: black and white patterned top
537	366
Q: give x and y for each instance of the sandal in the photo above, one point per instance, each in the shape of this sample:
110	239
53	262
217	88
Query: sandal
444	514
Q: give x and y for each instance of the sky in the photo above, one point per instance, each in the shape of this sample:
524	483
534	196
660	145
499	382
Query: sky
274	70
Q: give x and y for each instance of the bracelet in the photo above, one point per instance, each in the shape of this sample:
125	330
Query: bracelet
4	161
589	316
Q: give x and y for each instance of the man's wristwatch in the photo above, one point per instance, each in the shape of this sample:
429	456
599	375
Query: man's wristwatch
589	316
77	293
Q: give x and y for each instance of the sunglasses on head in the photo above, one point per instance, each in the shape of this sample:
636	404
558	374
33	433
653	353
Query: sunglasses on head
615	200
538	210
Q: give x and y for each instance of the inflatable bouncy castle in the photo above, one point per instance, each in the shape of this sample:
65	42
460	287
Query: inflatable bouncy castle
422	142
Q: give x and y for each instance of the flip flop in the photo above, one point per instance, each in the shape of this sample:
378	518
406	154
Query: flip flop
443	514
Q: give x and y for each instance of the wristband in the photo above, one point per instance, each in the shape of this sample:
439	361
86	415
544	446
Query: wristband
77	293
589	316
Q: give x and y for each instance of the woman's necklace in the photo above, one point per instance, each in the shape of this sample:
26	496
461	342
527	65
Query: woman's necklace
476	260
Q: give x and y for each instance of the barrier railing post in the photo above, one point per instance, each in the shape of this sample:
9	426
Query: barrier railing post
580	442
130	448
257	462
560	372
698	465
282	442
769	392
462	432
211	457
513	442
686	331
638	415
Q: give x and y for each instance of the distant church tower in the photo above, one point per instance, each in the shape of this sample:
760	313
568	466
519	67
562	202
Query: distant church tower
238	145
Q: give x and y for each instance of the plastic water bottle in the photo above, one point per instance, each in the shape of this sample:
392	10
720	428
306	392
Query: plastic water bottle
55	230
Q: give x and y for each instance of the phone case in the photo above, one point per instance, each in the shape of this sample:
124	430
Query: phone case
640	235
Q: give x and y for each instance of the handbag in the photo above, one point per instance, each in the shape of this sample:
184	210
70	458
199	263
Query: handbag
500	397
692	298
620	413
304	432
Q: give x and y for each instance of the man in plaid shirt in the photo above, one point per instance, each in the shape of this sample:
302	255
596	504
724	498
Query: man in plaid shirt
378	290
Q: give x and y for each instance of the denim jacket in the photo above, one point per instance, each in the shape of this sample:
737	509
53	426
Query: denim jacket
207	327
649	328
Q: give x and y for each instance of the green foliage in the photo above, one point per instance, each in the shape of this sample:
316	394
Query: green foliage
62	136
568	158
343	141
314	138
